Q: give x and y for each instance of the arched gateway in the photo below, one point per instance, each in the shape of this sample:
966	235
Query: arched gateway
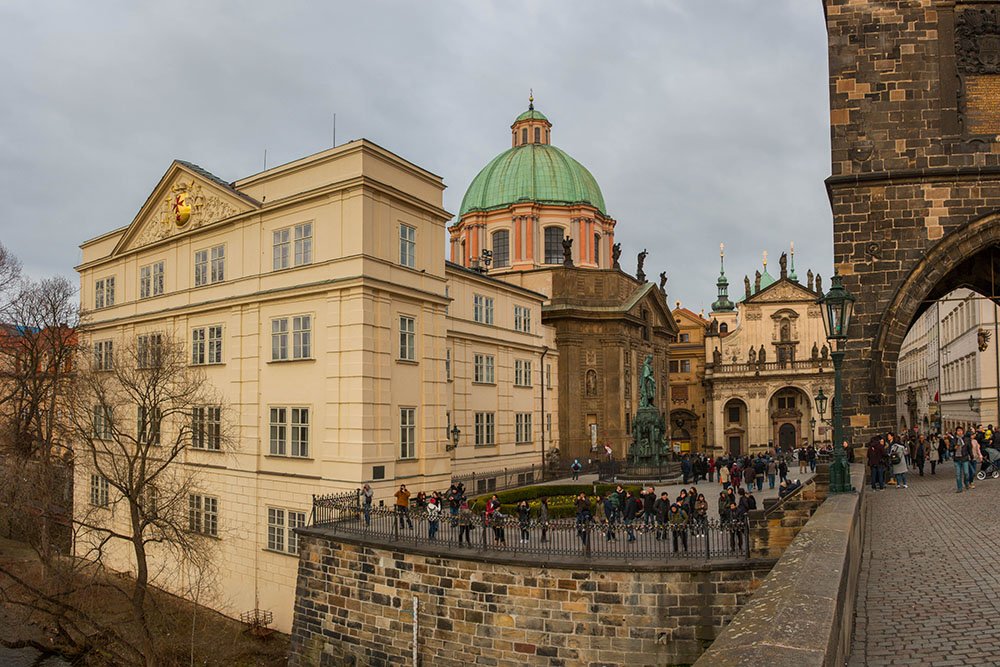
915	184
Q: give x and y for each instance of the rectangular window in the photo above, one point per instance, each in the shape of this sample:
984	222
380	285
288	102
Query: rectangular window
477	308
522	319
99	293
685	365
734	414
295	520
99	491
548	376
522	373
407	433
522	427
548	426
215	344
279	339
281	248
275	529
303	244
483	368
407	338
149	349
447	364
145	281
300	432
206	427
482	309
279	431
218	264
302	337
447	295
485	428
685	338
408	246
157	278
674	366
203	514
104	355
501	248
200	268
148	424
102	422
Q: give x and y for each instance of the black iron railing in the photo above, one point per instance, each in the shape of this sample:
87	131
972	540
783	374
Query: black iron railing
491	481
638	539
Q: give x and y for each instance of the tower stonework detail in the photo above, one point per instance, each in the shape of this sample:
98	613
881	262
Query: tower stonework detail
915	174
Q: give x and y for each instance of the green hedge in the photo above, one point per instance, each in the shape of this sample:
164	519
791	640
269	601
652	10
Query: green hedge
562	498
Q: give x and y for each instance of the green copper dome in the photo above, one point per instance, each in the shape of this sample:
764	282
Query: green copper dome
532	172
531	114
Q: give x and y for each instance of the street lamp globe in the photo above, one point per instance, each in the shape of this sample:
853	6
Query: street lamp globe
821	400
812	423
837	309
972	402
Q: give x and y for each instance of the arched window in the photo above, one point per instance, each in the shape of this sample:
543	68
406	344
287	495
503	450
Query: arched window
597	249
501	248
538	135
524	135
723	328
553	245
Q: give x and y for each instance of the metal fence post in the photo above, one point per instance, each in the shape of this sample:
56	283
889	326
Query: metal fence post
708	541
484	531
395	523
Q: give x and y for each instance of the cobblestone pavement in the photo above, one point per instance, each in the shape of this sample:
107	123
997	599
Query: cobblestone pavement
929	589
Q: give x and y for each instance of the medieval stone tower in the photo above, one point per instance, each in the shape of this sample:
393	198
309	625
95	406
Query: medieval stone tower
915	177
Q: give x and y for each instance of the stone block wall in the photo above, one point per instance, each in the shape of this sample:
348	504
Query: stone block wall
354	607
915	174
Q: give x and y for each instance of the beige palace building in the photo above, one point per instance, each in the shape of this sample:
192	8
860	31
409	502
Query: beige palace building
318	300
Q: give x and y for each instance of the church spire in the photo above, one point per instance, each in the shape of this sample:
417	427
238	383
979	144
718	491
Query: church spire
722	304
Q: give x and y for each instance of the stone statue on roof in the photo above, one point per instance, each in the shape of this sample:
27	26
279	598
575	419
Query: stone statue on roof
809	279
746	285
783	263
616	252
567	251
663	284
640	260
819	284
756	282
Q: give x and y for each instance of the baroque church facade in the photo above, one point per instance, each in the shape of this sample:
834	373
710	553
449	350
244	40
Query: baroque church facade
766	360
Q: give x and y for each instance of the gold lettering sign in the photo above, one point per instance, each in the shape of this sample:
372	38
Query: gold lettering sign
982	104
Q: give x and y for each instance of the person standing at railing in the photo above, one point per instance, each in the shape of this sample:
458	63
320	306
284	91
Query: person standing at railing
366	503
629	513
584	513
678	520
734	521
700	515
648	507
524	520
662	510
403	506
433	515
610	513
465	523
543	517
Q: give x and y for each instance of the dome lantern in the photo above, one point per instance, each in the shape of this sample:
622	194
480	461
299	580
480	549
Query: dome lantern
531	127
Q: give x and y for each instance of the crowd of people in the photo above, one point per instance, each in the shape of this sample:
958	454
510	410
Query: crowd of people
969	449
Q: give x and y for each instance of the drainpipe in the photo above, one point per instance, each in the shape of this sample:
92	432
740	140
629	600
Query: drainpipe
545	350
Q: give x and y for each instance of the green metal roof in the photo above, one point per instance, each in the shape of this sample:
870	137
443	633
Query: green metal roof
531	114
532	172
766	279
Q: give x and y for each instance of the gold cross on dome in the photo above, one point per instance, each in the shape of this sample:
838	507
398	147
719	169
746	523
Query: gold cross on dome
765	260
722	249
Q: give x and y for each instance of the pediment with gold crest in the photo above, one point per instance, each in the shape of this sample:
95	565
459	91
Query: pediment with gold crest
185	199
781	291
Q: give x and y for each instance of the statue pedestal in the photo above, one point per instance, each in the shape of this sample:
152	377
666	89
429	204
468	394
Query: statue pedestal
648	447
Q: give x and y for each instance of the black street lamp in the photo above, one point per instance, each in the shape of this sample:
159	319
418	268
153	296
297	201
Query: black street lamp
454	433
972	403
837	306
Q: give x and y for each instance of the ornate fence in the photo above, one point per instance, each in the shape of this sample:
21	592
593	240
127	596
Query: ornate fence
637	540
491	481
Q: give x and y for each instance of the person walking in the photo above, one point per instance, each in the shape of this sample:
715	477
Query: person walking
772	471
876	461
366	503
576	469
976	456
920	454
685	468
811	455
933	455
724	476
897	456
543	517
749	474
960	454
802	459
782	469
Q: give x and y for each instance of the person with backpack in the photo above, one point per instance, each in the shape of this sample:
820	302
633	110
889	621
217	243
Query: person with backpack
576	467
897	457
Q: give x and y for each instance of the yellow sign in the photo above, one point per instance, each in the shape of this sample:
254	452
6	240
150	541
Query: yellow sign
181	209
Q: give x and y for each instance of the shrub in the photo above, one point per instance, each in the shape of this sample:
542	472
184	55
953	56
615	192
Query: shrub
562	498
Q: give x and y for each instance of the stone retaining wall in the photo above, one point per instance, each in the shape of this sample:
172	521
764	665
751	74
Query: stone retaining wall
803	613
354	606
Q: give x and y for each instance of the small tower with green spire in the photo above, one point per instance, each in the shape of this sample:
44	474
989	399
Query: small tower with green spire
723	304
791	274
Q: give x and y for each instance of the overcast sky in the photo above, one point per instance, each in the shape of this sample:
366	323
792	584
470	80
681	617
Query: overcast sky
703	121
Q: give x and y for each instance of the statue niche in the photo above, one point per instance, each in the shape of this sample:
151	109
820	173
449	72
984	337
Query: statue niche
649	445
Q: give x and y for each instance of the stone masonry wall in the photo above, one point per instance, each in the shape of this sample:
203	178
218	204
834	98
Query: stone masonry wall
353	607
912	171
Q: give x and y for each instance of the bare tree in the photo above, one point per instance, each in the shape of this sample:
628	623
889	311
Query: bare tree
10	275
38	343
139	407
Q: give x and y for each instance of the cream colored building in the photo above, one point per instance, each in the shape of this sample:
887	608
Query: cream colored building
317	298
766	358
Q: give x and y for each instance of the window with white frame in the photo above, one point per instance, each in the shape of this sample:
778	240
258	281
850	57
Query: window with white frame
104	292
407	433
408	246
522	319
206	345
147	423
279	339
203	514
482	309
447	364
284	254
206	427
407	338
281	525
483	366
102	422
104	355
485	428
289	431
151	280
522	427
206	272
302	337
149	349
99	491
522	373
447	295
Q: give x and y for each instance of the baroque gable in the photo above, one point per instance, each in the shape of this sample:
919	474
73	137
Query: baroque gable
783	290
183	200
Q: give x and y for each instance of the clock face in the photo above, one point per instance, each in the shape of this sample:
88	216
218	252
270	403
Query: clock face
181	209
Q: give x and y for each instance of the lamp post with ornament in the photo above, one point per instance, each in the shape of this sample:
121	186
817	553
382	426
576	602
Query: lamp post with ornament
837	306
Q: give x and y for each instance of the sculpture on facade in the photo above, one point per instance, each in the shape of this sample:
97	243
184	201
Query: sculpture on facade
762	355
809	279
825	352
815	352
783	263
663	284
616	253
756	282
819	284
717	356
640	259
752	355
746	285
647	384
567	251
